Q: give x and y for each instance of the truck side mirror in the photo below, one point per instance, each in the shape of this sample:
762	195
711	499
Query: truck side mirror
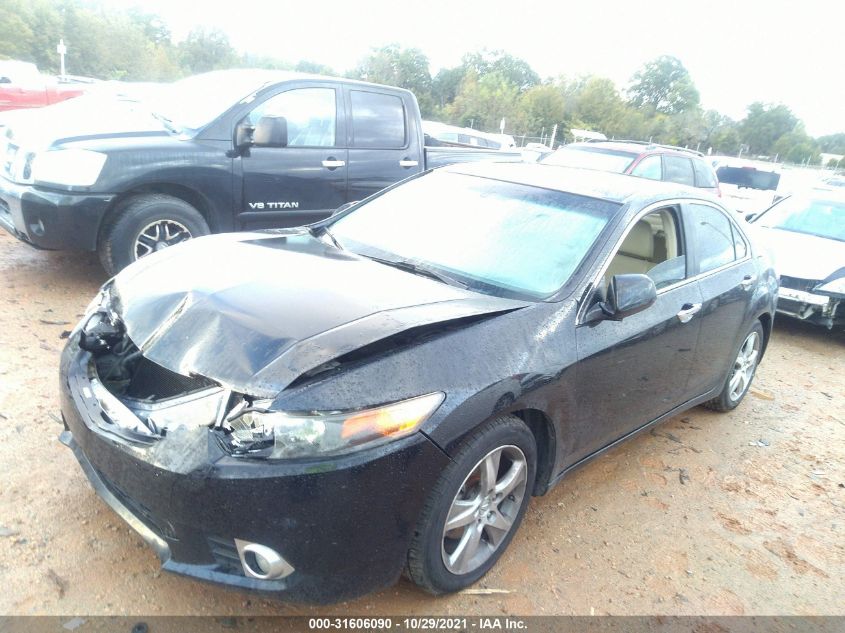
271	131
243	135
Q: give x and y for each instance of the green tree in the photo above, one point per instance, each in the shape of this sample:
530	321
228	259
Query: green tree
445	85
598	106
396	66
482	102
764	124
512	69
541	107
204	50
663	85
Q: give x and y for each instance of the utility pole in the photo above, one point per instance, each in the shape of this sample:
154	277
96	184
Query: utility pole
552	141
61	49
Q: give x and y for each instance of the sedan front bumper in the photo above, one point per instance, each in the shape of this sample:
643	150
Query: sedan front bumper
343	523
808	306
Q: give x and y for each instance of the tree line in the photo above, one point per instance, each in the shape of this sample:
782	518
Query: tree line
660	104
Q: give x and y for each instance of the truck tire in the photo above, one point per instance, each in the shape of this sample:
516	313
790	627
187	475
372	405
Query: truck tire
144	224
475	508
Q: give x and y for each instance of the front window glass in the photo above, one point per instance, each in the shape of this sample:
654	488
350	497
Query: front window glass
591	158
497	237
714	237
653	247
813	216
311	115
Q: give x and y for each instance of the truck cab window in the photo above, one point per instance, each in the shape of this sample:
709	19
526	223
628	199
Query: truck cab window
378	120
311	115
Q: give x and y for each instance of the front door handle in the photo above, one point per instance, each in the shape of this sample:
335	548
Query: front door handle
747	281
407	162
332	163
688	310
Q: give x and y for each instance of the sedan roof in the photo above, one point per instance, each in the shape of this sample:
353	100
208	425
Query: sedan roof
590	183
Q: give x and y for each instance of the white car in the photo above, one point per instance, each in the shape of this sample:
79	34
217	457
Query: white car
806	235
746	185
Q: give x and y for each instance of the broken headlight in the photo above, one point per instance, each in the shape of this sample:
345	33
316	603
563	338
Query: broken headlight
260	432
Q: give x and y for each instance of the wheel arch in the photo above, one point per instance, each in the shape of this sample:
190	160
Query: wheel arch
544	433
186	194
766	321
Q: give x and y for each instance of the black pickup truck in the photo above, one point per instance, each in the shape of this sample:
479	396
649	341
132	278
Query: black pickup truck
223	151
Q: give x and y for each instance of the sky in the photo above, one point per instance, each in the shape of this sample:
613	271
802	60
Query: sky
737	52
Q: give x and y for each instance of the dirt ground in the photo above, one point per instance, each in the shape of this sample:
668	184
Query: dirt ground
740	513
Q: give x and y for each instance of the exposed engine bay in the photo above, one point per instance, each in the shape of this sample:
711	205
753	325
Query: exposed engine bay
158	399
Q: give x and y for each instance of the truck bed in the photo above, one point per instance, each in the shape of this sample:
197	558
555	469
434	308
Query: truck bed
440	156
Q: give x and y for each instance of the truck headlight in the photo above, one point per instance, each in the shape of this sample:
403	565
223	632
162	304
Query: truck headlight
835	288
260	432
68	167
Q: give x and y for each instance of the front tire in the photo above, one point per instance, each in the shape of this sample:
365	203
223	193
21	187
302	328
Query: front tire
475	508
742	372
145	224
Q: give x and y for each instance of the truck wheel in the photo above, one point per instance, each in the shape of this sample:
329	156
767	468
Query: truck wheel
146	224
475	508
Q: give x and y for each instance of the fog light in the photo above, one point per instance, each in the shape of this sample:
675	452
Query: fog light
260	561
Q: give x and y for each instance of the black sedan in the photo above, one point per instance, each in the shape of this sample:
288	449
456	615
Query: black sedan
312	411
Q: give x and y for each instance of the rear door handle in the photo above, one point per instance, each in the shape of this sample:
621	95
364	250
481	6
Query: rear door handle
331	163
407	162
747	281
688	310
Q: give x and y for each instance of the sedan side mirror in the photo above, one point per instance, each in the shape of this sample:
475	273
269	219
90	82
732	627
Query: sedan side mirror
626	296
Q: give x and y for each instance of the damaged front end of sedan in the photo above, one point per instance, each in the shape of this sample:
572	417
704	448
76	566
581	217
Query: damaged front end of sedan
821	302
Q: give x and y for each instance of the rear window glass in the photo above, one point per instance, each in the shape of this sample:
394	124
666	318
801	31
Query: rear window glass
591	158
378	120
714	237
704	176
748	177
678	169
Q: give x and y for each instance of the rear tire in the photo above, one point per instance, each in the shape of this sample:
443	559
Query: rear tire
483	493
742	371
143	224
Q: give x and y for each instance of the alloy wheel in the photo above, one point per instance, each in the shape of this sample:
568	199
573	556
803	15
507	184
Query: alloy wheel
744	367
484	510
159	235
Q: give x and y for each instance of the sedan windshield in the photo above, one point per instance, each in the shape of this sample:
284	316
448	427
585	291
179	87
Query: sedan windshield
495	237
591	158
192	103
812	216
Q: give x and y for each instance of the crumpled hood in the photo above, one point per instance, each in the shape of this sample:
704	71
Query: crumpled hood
802	256
81	118
256	311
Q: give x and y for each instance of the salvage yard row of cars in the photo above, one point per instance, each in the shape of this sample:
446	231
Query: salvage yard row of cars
381	382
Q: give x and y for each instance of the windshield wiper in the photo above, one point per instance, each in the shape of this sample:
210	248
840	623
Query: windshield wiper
318	231
166	122
408	266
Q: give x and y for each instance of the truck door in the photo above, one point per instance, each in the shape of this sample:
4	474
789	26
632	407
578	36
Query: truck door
297	173
382	148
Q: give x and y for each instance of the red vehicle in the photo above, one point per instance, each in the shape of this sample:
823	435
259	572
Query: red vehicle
22	86
646	160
